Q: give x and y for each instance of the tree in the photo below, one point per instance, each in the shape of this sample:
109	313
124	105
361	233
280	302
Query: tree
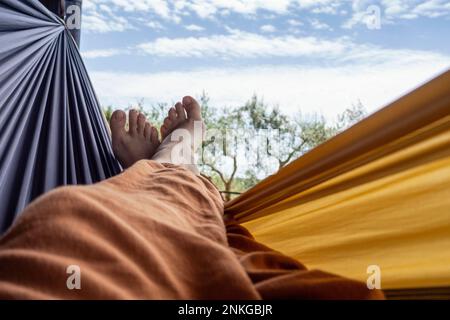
351	116
108	111
254	141
296	134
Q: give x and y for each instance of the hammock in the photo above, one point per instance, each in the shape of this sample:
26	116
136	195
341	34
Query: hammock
377	194
52	129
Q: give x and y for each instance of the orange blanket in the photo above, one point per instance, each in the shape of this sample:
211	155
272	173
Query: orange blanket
154	232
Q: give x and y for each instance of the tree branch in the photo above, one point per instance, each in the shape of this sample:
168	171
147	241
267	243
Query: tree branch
217	171
234	168
282	163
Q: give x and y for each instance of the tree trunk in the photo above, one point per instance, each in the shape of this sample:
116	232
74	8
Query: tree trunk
228	190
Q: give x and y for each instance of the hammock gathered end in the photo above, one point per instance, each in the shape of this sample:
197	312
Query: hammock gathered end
52	131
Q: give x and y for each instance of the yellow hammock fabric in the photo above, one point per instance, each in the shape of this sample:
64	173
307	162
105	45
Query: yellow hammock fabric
377	194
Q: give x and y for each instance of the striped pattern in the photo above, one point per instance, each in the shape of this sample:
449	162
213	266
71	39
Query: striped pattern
52	131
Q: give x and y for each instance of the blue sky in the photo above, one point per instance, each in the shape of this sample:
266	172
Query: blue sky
314	56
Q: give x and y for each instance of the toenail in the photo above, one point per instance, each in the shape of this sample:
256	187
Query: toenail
187	100
119	116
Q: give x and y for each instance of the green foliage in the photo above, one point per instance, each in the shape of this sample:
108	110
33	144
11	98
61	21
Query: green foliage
351	116
108	111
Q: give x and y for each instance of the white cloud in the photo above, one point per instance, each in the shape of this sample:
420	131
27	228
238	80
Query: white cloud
159	7
268	28
194	27
97	23
210	9
392	10
155	25
433	8
294	23
311	89
98	17
330	8
115	15
316	3
240	44
359	71
106	53
244	45
318	25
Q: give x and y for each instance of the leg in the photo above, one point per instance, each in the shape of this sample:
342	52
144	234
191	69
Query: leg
153	232
182	134
276	276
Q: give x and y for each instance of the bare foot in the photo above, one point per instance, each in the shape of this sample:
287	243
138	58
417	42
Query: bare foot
183	121
138	143
182	116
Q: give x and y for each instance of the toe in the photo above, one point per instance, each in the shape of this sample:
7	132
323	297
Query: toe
166	127
192	107
154	136
168	123
147	130
181	113
163	131
173	115
132	121
141	123
117	123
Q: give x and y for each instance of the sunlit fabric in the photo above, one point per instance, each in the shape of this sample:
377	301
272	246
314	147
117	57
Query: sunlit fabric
377	194
52	131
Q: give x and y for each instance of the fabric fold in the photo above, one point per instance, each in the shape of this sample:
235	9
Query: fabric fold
53	132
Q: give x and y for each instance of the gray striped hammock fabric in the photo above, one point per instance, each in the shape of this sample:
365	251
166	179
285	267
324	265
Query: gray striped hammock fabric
52	131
